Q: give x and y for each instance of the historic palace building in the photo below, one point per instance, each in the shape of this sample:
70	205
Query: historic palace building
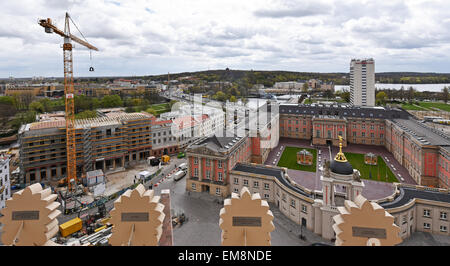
422	150
210	161
415	208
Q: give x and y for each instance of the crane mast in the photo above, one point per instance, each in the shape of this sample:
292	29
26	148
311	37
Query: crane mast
68	93
70	108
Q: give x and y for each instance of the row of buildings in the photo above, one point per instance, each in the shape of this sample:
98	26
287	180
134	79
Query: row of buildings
110	142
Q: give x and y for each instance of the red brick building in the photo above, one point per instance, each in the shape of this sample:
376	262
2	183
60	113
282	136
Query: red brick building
210	161
423	151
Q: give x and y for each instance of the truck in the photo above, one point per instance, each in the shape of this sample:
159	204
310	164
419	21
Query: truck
71	227
153	161
178	175
165	159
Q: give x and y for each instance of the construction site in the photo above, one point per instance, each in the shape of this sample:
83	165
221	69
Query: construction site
85	162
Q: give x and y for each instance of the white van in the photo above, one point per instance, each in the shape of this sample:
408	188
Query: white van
178	175
183	166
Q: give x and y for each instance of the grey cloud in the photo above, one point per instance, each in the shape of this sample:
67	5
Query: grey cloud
155	49
287	12
223	53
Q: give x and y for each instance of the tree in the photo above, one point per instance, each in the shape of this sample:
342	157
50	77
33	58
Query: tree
305	87
86	114
381	98
111	101
37	107
410	94
46	104
345	95
220	96
445	94
233	99
328	94
402	93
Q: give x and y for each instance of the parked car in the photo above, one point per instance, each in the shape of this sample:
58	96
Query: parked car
181	155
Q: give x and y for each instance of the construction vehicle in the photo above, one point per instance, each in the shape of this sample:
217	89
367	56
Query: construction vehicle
178	219
68	92
71	227
165	159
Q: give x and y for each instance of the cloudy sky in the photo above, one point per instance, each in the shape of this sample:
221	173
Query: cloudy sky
142	37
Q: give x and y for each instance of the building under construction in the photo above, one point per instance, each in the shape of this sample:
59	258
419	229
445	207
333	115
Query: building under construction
109	142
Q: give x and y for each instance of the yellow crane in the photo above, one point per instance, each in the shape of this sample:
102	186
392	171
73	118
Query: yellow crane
68	91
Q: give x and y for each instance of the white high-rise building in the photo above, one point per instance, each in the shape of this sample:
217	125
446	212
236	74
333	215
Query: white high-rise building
362	82
5	180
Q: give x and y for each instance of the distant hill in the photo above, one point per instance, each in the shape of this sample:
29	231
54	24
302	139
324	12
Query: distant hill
268	78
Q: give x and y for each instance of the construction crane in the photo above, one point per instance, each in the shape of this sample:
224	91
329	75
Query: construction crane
68	92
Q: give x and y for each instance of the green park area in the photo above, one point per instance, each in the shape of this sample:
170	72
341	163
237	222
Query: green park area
289	159
371	172
161	108
427	106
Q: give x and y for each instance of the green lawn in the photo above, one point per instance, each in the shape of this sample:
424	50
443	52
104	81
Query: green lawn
426	106
161	108
357	161
442	106
289	159
408	106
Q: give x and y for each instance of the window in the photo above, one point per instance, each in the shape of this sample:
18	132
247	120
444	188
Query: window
443	216
236	181
426	226
404	220
208	162
245	182
220	176
266	185
255	184
196	172
235	190
426	213
219	164
266	196
443	228
304	208
218	191
293	203
195	160
193	186
208	174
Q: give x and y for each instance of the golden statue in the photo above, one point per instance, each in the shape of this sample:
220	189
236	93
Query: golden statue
340	157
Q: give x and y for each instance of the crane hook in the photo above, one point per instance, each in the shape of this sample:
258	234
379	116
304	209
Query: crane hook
91	69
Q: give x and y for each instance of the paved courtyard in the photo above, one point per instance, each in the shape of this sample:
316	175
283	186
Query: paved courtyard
202	228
